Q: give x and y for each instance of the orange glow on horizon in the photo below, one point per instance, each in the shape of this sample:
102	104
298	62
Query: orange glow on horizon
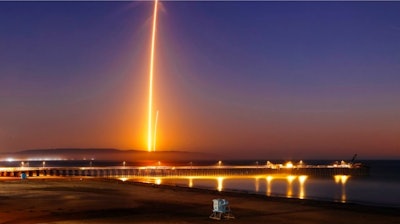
150	112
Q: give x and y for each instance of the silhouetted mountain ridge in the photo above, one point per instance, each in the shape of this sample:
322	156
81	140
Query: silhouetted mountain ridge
104	154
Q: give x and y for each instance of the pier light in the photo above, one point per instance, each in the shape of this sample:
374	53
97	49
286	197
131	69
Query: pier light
290	178
341	178
124	163
302	179
158	181
22	164
219	163
269	164
289	165
337	178
44	163
344	178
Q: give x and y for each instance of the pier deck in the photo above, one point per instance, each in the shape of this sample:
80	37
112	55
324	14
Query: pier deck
167	171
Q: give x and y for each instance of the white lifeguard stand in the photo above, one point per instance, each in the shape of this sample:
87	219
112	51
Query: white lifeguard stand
221	210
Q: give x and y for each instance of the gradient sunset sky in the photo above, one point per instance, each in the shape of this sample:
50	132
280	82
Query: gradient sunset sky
248	79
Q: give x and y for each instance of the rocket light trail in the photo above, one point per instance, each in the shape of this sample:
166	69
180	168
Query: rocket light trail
155	132
153	40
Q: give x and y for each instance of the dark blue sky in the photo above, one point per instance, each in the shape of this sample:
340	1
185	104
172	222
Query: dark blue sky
253	79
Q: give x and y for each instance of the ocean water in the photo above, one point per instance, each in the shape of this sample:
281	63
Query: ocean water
380	188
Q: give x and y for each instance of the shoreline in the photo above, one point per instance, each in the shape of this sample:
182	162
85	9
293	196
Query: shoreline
246	194
88	200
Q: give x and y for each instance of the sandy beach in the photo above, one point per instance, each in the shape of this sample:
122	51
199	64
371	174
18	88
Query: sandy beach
112	201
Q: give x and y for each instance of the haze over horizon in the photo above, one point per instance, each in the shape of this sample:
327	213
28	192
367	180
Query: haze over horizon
246	79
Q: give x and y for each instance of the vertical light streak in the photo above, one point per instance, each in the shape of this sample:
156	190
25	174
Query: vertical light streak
342	179
302	180
289	192
190	182
155	132
343	196
220	183
269	180
257	184
150	112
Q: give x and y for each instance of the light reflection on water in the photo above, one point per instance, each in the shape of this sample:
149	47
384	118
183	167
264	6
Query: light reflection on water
339	188
220	185
302	180
271	185
341	180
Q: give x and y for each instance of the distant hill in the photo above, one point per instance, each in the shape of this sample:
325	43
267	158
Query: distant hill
108	154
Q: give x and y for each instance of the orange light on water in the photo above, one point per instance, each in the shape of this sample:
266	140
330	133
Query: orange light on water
344	178
289	192
341	178
269	180
220	185
190	182
257	184
290	178
302	180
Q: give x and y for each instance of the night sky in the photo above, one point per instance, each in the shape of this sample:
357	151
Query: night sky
246	79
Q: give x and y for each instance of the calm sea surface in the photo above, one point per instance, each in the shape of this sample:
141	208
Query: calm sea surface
381	187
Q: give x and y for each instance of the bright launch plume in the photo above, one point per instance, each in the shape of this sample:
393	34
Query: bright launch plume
155	132
150	141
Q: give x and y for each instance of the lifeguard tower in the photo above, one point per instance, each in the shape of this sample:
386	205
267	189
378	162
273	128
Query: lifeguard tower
23	176
221	210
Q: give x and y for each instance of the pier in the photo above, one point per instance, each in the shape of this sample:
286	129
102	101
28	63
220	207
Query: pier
193	171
